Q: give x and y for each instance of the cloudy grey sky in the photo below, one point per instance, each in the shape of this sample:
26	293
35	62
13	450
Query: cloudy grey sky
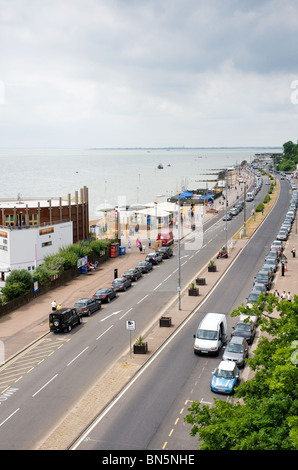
150	73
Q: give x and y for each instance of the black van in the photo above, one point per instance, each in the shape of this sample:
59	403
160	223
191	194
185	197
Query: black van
64	319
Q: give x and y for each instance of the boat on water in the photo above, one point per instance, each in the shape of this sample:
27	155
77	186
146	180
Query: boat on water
160	166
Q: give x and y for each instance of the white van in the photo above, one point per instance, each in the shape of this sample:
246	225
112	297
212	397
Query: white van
249	197
211	335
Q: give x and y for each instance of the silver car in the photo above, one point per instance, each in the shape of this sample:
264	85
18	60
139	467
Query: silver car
236	350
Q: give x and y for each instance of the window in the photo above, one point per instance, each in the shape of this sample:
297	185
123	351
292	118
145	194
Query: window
46	244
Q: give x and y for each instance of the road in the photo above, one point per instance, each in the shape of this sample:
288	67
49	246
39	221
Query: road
149	416
43	383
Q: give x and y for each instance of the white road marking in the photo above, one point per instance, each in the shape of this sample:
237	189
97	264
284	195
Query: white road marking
44	385
77	356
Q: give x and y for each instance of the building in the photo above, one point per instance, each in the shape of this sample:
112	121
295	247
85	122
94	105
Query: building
32	229
37	212
26	247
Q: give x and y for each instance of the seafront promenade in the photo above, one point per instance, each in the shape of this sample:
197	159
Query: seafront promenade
30	323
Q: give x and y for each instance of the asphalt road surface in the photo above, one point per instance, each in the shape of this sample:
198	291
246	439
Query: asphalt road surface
149	415
48	379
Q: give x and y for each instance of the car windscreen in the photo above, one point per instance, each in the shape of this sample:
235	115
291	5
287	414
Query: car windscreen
207	334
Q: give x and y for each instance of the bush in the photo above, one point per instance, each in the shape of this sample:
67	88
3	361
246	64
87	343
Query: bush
97	246
260	207
266	199
18	283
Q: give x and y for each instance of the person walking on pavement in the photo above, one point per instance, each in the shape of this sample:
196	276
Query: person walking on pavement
54	306
293	251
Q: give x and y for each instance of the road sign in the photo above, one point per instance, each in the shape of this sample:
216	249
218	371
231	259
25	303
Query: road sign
130	324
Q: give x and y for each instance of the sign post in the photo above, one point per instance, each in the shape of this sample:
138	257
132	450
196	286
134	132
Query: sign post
131	326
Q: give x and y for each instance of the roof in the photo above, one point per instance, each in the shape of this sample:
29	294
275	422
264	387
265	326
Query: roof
227	365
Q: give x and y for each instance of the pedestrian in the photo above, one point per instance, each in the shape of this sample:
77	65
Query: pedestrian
129	244
149	243
293	251
276	293
144	248
54	306
289	297
140	247
59	306
283	295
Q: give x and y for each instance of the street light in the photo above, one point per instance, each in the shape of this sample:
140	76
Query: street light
179	264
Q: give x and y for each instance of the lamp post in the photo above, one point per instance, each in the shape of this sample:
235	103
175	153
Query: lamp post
179	264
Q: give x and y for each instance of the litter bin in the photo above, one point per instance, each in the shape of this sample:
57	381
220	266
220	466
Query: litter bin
122	250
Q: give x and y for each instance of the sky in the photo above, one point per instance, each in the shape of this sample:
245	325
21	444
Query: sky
148	73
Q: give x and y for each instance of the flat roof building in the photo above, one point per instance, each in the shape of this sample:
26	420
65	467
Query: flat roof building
32	212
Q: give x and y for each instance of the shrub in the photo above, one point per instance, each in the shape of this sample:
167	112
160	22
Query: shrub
260	207
266	199
17	283
97	246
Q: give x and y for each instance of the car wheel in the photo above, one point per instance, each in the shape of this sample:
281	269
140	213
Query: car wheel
88	313
69	328
108	300
124	289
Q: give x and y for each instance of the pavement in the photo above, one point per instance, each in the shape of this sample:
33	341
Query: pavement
29	324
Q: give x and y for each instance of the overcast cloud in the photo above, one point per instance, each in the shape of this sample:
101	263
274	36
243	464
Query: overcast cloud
149	73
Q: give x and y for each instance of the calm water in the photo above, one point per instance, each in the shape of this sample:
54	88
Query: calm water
131	175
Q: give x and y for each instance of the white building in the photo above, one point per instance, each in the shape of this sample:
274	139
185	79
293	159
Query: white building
25	247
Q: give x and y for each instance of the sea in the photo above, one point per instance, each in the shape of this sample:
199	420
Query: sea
115	176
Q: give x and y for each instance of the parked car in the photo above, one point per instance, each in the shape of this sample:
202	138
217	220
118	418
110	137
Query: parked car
121	283
236	350
246	330
165	252
271	262
87	306
144	266
263	277
282	235
133	274
227	216
225	377
253	298
234	211
154	258
106	294
64	319
273	254
269	270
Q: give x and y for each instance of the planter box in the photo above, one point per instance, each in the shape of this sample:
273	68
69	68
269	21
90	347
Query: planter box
140	348
201	281
211	269
194	291
165	321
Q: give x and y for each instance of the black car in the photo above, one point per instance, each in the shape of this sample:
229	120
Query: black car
165	252
64	319
105	294
87	306
121	283
133	274
144	266
246	330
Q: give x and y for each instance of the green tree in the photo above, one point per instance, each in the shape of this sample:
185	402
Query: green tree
17	283
264	415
